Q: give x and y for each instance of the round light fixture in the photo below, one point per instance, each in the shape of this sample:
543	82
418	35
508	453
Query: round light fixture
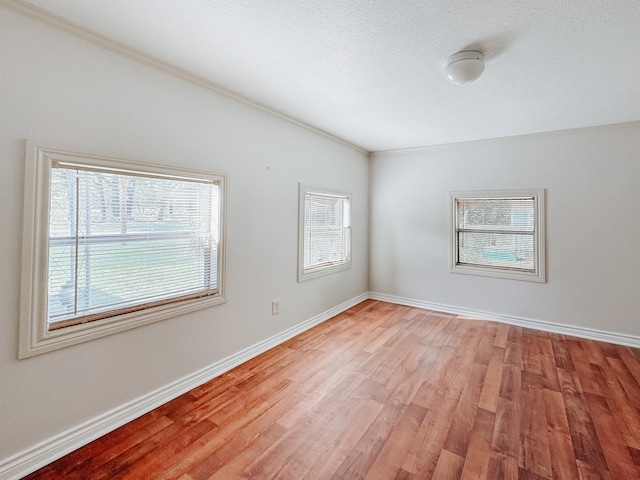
464	67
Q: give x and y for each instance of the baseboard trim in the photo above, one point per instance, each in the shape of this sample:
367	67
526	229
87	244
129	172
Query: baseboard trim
30	460
572	330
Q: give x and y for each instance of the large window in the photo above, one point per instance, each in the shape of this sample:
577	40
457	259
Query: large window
499	234
325	232
110	245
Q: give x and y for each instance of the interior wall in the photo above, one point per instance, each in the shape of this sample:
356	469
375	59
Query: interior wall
592	225
63	92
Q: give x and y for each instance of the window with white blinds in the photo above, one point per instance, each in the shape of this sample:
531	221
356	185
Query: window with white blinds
124	243
325	232
499	233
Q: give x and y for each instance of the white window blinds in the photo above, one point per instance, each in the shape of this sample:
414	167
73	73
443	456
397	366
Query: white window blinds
499	233
122	241
327	230
496	232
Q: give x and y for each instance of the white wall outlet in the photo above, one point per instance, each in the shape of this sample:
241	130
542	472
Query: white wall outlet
275	307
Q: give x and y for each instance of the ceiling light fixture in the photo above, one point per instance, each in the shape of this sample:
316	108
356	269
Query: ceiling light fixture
464	67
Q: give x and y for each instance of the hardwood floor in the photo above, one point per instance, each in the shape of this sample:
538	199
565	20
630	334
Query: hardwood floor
385	391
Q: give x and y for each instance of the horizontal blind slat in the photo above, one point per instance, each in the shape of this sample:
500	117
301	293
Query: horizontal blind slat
326	230
119	240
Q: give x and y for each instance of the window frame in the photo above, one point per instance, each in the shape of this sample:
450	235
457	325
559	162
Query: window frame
310	273
539	271
36	336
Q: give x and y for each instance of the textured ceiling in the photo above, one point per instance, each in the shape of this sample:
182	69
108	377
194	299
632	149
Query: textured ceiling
370	71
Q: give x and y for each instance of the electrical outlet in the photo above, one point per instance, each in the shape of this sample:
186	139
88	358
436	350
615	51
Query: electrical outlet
275	307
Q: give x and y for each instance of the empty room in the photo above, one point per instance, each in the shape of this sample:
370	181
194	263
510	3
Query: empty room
319	239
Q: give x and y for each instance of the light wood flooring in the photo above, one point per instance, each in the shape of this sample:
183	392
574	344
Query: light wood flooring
388	392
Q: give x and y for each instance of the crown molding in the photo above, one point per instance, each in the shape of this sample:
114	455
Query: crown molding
138	56
565	131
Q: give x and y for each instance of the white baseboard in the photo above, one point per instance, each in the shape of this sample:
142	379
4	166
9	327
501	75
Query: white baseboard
53	448
575	331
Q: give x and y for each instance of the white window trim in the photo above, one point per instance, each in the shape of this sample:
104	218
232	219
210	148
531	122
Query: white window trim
539	273
35	336
320	271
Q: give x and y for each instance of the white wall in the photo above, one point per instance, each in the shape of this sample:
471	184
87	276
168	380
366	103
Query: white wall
593	225
63	92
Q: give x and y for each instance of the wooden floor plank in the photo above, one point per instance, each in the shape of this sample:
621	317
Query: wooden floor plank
586	445
502	335
449	466
502	467
384	391
465	416
492	381
396	448
562	458
337	442
579	356
535	453
506	431
619	461
475	465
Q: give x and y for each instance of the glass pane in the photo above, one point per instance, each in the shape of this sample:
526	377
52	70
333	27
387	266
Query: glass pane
496	250
326	230
496	214
120	240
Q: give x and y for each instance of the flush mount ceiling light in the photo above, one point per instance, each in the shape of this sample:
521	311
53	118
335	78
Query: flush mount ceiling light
464	67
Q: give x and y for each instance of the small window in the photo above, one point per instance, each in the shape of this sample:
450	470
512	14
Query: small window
325	232
499	234
111	245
